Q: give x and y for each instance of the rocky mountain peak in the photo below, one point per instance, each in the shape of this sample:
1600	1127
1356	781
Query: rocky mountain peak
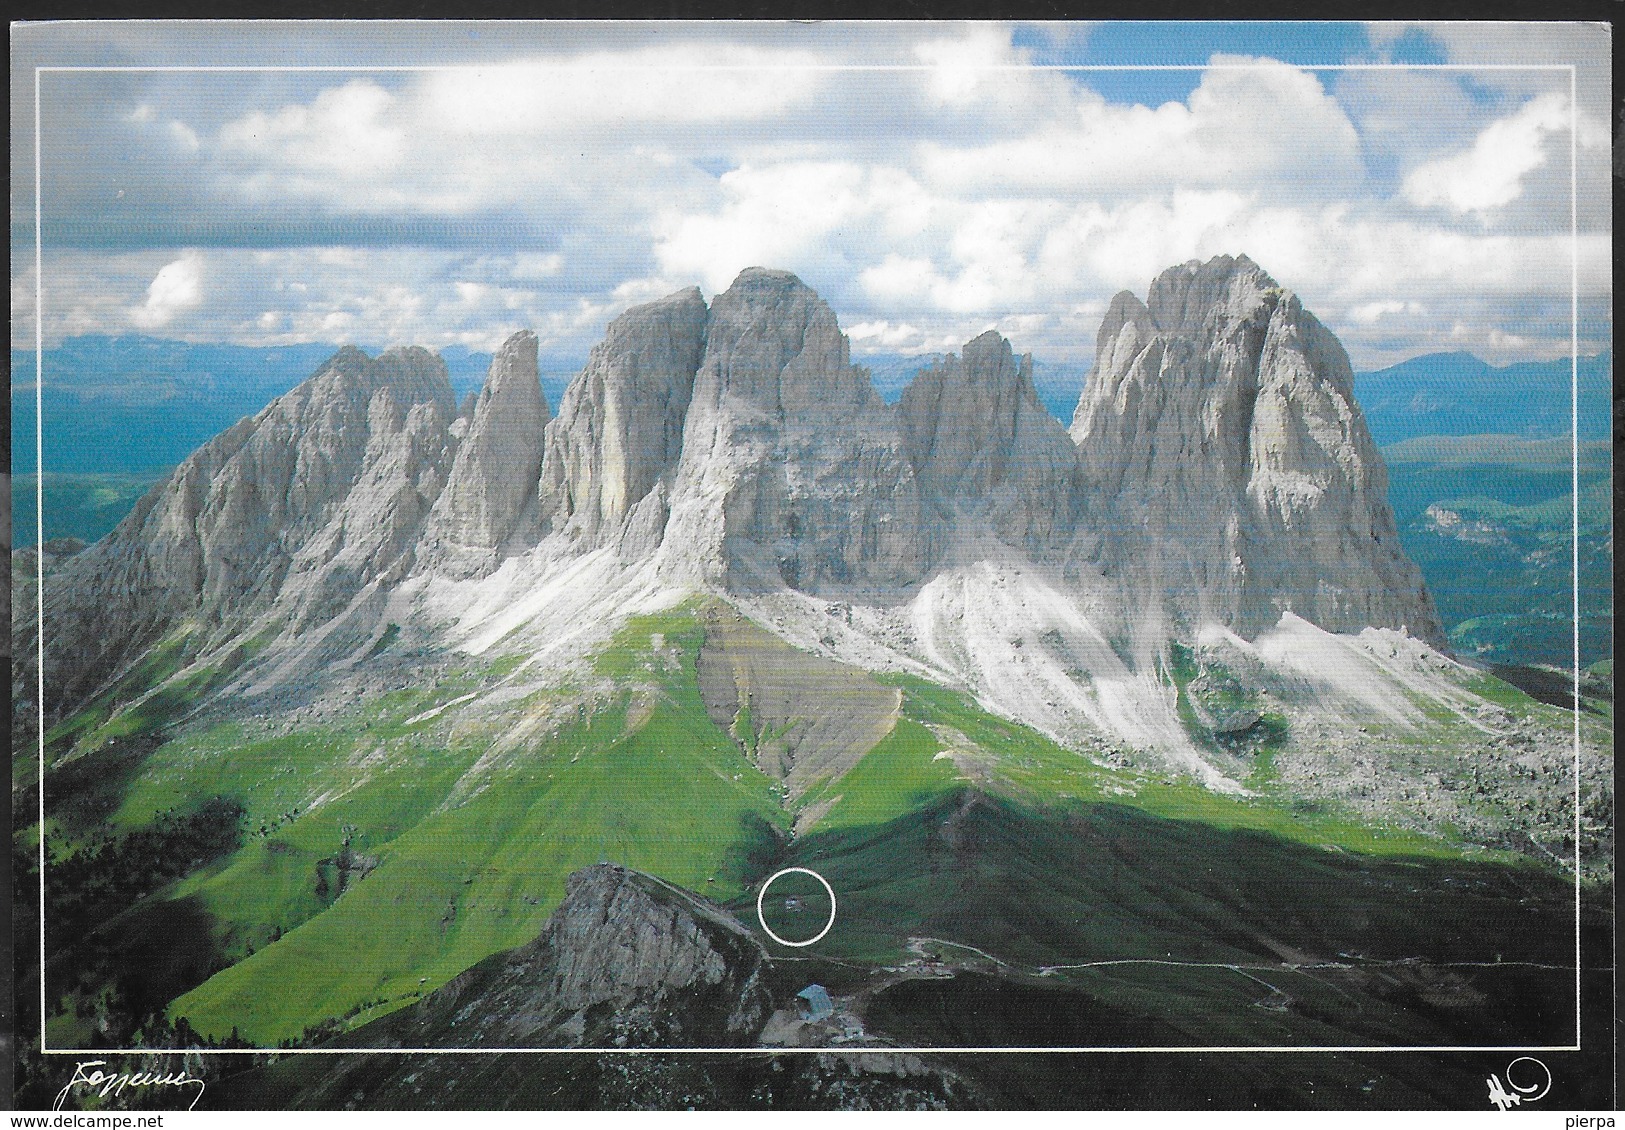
1218	471
1224	290
301	507
992	344
348	358
417	371
959	416
620	425
512	365
488	503
775	345
976	434
347	382
792	468
1230	471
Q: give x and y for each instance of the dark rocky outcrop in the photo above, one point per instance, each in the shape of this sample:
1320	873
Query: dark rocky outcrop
625	960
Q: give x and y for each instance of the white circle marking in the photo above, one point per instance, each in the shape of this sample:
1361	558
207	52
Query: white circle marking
761	895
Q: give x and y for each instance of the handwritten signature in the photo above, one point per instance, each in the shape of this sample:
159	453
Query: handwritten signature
1505	1099
108	1083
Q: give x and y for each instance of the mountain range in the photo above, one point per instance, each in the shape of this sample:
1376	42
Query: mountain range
1218	477
724	609
1456	394
134	405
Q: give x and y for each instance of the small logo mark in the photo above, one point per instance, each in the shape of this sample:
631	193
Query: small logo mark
1532	1092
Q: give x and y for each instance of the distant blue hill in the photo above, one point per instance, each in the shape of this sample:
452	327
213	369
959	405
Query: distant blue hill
1456	394
118	404
1441	394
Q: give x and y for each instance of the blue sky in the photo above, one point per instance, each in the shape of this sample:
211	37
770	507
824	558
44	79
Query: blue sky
930	180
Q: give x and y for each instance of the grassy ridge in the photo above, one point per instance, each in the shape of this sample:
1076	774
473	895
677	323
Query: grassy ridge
647	781
1023	763
1097	880
894	778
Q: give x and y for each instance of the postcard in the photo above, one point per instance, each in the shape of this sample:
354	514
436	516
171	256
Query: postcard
854	565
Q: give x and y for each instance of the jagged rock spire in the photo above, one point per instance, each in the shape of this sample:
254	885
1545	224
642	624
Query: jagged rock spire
1230	471
977	435
489	504
792	468
1222	473
302	508
620	425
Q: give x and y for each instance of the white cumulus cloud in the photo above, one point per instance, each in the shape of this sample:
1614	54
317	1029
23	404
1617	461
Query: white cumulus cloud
1369	312
923	178
177	287
801	215
1490	173
1249	122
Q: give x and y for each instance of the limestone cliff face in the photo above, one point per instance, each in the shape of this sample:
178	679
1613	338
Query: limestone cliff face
488	507
301	507
620	425
977	436
793	470
1231	475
